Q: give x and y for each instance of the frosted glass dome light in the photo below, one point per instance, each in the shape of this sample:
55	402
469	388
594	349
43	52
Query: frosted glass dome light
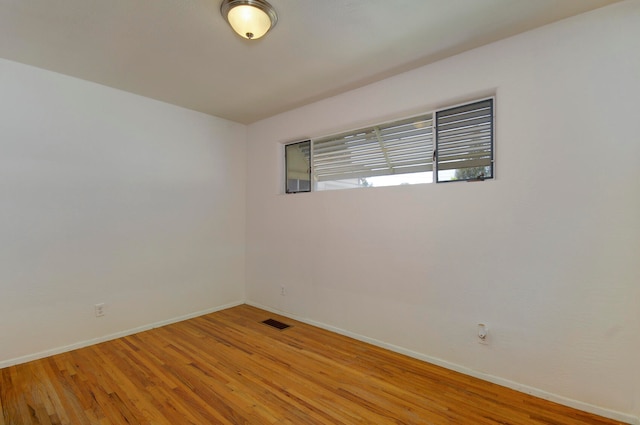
251	19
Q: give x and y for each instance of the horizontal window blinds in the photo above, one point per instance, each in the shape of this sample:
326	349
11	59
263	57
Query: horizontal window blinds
464	136
397	148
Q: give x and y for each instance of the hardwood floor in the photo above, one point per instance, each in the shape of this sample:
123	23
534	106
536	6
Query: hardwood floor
228	368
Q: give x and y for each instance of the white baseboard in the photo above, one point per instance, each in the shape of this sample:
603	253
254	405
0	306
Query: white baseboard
86	343
611	414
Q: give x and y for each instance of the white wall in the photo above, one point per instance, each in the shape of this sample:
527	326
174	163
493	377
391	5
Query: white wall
108	197
546	254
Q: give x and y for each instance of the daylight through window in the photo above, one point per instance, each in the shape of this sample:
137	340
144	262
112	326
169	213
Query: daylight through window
455	146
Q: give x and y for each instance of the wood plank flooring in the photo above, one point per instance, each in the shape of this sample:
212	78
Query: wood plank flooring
228	368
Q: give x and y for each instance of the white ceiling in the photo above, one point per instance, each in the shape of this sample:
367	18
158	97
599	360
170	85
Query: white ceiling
183	52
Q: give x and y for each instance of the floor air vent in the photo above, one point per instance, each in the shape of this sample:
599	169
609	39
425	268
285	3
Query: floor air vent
275	324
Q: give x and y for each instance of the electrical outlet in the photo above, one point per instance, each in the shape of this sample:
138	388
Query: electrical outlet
483	331
99	309
283	291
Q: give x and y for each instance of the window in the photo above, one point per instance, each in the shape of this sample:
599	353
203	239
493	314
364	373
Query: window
297	158
362	157
455	146
464	142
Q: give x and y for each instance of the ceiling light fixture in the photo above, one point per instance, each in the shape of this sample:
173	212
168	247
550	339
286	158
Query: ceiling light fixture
251	19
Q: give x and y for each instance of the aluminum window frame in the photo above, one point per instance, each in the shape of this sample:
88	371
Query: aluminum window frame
433	160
